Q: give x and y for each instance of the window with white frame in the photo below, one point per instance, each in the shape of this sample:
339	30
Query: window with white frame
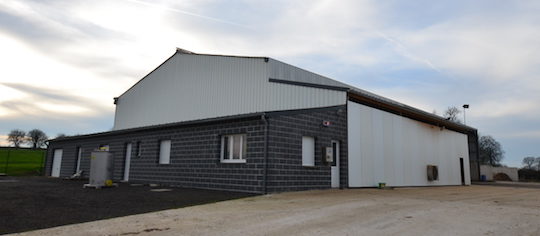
165	152
308	151
233	148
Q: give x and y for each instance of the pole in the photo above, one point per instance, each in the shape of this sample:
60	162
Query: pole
464	120
465	107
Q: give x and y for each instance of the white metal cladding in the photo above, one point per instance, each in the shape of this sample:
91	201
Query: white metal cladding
191	87
388	148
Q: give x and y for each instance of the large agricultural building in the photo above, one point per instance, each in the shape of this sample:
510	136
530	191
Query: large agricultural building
259	125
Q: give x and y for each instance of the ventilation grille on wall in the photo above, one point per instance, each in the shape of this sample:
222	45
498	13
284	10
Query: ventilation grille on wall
432	173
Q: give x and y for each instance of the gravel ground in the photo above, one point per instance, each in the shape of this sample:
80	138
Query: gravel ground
460	210
29	203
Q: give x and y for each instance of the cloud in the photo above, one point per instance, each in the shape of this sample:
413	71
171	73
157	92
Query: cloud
3	141
37	101
55	32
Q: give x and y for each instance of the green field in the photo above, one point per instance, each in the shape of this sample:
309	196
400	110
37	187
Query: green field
18	162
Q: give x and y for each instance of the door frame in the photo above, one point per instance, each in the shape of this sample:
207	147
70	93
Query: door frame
127	161
462	169
335	180
56	166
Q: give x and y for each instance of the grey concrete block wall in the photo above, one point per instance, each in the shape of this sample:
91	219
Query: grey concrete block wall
285	170
195	155
196	148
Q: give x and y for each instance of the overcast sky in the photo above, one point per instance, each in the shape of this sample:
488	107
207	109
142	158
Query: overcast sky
62	62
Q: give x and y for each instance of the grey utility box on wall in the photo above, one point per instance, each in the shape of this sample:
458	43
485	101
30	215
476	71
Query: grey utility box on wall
100	169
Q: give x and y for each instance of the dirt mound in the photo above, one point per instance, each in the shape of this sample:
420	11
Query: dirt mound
501	177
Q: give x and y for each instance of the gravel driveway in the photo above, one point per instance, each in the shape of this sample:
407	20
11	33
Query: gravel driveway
459	210
28	203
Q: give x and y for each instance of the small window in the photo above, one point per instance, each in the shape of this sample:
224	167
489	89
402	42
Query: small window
165	152
233	148
308	151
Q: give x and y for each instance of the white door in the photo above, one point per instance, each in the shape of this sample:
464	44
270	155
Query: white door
127	162
335	164
57	163
79	154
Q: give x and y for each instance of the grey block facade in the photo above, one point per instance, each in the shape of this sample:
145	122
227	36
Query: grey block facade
273	159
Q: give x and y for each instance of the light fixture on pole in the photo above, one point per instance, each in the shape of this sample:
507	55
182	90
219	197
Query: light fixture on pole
465	106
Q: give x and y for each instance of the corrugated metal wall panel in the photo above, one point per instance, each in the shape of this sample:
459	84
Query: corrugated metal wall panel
396	150
191	87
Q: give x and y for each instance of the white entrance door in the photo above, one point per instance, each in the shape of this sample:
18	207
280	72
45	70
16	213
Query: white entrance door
57	163
335	164
127	162
79	154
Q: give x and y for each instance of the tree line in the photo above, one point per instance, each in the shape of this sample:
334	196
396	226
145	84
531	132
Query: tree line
35	137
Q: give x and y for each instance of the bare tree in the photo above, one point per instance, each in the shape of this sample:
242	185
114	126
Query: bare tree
37	138
16	137
61	135
529	162
490	151
538	163
452	113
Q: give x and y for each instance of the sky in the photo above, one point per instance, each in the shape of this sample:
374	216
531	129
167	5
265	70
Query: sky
63	62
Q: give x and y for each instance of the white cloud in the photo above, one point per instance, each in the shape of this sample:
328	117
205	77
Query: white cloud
3	141
492	50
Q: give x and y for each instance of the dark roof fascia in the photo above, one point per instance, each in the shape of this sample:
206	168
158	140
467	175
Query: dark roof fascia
311	85
250	116
409	112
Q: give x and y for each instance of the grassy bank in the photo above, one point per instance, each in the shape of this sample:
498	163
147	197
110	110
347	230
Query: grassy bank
19	162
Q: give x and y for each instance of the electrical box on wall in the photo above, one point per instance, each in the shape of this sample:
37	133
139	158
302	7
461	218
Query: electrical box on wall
328	154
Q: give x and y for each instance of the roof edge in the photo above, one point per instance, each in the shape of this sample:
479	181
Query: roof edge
407	111
144	77
162	126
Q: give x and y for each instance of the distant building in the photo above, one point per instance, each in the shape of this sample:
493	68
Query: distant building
256	124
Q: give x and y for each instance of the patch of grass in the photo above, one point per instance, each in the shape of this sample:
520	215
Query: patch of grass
19	162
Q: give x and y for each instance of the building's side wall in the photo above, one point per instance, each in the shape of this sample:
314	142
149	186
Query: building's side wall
192	87
285	170
195	156
384	147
